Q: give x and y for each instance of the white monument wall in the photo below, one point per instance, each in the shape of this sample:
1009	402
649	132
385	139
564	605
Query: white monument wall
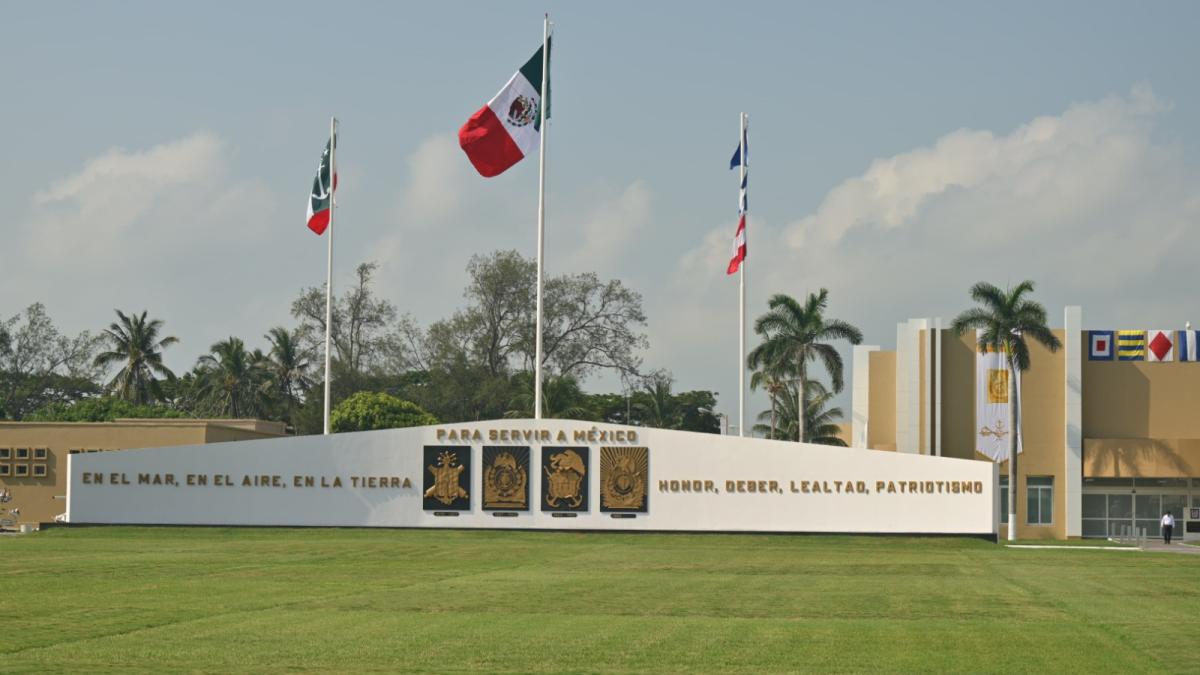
694	482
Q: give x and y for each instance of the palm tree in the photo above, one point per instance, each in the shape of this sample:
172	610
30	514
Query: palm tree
820	423
1006	318
287	370
230	377
793	336
134	341
655	405
775	385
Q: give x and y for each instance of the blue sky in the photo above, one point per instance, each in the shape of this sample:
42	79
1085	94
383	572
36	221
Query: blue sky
158	154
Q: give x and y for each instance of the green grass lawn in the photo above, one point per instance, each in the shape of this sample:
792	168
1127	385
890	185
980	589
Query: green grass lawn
259	600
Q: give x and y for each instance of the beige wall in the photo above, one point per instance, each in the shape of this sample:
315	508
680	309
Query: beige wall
1130	399
1134	457
41	498
881	427
958	395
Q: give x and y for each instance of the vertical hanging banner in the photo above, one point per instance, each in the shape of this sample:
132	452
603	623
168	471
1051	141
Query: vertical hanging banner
993	405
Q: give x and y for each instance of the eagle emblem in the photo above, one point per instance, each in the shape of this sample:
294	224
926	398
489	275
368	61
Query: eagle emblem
566	479
521	111
445	486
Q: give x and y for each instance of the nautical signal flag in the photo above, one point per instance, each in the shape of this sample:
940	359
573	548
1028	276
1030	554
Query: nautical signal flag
1100	345
509	127
321	197
1185	345
1160	345
1131	345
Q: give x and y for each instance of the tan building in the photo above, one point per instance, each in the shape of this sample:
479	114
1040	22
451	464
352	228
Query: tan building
1107	444
33	455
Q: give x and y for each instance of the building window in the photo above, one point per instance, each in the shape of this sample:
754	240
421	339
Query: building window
5	453
39	470
22	470
5	469
22	453
1040	495
1003	500
39	453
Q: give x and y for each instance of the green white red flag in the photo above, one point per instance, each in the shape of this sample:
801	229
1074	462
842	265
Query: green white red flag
321	197
509	127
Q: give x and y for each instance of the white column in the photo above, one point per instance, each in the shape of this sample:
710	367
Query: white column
1073	429
908	385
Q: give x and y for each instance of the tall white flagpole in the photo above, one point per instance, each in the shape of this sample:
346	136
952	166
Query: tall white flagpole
329	262
742	286
541	221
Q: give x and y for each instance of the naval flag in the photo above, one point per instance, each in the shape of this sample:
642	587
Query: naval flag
1186	345
1160	345
321	197
1100	345
1131	345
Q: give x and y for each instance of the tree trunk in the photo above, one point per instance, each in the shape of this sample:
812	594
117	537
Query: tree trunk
1014	420
774	403
800	406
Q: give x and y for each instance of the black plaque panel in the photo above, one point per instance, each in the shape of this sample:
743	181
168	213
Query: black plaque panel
624	480
565	476
447	478
505	478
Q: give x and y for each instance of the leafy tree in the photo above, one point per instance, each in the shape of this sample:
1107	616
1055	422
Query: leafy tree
100	409
794	335
588	324
695	410
820	423
656	405
1006	318
135	342
365	332
365	411
39	365
230	379
562	398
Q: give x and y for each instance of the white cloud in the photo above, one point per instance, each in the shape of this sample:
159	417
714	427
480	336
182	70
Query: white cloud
438	175
1043	158
126	201
608	228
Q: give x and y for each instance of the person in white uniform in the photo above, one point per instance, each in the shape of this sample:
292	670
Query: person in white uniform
1168	524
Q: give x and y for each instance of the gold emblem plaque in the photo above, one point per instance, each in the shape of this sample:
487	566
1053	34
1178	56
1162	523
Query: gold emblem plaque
505	478
564	487
446	474
624	478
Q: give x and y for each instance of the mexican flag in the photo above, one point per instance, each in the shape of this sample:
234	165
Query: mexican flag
322	195
509	127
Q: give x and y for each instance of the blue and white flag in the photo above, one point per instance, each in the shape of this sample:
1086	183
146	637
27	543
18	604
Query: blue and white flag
1186	346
